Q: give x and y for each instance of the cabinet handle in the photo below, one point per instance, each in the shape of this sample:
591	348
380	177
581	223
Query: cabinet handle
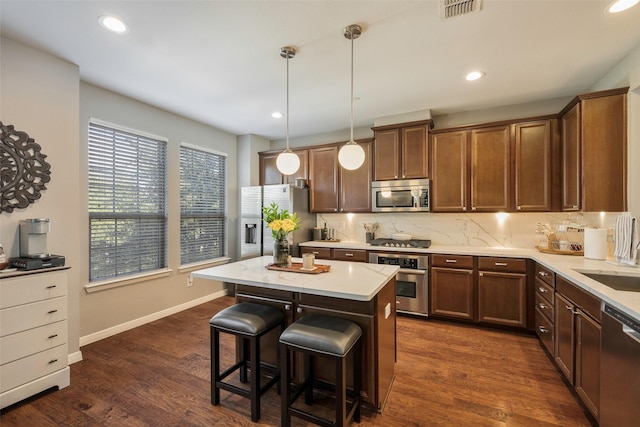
542	290
568	307
473	208
335	209
341	209
395	177
481	274
519	208
315	252
287	307
575	206
451	260
299	310
501	264
543	330
52	361
464	208
542	306
543	273
348	254
52	311
51	286
52	336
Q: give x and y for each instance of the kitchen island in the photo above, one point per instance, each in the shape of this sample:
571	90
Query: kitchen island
362	293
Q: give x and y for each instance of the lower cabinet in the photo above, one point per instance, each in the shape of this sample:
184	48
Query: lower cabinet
502	291
452	289
356	255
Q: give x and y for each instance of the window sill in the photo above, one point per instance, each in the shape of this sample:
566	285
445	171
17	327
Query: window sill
186	268
124	281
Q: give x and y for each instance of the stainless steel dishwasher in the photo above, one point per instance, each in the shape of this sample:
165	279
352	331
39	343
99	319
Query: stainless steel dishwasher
620	369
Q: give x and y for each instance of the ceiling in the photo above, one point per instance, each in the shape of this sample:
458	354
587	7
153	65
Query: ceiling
218	62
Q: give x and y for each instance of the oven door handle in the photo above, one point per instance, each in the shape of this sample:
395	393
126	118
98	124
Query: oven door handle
412	271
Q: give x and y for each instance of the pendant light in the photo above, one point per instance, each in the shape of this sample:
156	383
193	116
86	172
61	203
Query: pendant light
287	162
351	155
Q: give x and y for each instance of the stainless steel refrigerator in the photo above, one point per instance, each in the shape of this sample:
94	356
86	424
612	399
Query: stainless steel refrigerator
255	236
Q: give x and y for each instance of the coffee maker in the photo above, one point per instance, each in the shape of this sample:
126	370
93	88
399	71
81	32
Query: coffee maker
33	238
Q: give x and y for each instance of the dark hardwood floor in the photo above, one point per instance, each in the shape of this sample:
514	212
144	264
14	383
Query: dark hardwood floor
446	375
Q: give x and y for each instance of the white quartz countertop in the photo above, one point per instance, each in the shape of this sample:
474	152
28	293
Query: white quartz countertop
349	280
568	266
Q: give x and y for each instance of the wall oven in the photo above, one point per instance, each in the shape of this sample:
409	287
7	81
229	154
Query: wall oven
411	195
412	280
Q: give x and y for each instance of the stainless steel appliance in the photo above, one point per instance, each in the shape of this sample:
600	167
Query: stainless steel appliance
33	238
255	236
412	281
620	369
410	195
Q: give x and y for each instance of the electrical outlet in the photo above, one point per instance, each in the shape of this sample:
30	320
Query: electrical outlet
189	281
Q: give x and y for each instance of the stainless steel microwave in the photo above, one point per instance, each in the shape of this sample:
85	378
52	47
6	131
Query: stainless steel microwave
410	195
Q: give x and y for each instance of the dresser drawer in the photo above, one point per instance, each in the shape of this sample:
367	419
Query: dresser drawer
320	253
350	255
545	291
546	275
31	288
22	344
35	366
545	307
452	261
509	265
27	316
545	331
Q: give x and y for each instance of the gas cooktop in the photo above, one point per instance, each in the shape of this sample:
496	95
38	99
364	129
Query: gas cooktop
390	243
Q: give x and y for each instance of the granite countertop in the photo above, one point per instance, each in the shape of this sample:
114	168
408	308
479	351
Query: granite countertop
349	280
568	266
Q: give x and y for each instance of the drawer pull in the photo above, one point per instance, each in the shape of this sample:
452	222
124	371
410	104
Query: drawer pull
542	290
453	261
51	286
52	336
52	361
543	330
568	307
287	307
315	252
348	254
501	264
543	273
299	309
542	306
52	311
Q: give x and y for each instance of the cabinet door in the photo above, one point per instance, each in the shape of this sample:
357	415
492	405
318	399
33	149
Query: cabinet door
502	298
415	152
386	155
269	173
533	166
449	189
323	179
571	178
355	185
452	293
303	170
588	361
491	169
565	338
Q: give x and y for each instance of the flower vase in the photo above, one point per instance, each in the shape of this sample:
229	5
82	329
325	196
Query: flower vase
280	252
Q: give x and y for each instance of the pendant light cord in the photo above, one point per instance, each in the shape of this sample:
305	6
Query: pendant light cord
287	102
351	140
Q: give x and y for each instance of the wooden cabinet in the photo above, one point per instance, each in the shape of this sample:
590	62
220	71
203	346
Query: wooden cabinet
320	253
544	284
335	189
33	335
491	169
357	255
452	288
269	173
449	186
502	291
594	152
401	151
577	345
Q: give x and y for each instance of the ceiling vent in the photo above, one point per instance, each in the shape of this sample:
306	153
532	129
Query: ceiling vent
452	8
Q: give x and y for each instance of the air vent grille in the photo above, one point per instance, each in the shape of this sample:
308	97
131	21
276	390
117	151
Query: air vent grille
451	8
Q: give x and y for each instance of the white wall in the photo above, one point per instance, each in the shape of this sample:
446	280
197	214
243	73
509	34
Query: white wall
39	95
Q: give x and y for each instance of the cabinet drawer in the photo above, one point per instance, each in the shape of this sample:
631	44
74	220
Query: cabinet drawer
29	368
22	344
545	291
544	306
510	265
583	299
350	255
452	261
320	253
31	288
27	316
546	275
545	331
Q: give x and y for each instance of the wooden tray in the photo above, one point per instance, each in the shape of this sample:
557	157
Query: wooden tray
559	252
296	267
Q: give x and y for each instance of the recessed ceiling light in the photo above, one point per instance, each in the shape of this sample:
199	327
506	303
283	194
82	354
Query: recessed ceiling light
276	115
621	5
474	75
113	24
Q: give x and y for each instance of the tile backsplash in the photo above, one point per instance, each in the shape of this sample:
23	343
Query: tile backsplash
510	230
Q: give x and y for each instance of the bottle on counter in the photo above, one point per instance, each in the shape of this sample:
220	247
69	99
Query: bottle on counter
325	232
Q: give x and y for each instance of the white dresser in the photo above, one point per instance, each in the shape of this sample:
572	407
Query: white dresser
33	334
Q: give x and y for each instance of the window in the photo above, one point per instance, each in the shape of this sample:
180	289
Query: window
203	204
127	212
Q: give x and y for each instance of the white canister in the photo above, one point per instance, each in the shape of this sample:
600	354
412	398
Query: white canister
308	261
595	243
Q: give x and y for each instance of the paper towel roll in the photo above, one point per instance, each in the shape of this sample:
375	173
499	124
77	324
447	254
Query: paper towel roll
595	243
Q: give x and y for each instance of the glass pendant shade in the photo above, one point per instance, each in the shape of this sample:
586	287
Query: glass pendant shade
288	162
351	156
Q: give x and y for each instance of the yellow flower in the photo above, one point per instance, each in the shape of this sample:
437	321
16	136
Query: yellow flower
281	222
276	225
288	225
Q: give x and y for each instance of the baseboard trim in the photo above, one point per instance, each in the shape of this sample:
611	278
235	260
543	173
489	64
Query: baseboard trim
105	333
74	357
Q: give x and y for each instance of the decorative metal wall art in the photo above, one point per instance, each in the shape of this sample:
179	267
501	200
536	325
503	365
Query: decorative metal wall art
23	171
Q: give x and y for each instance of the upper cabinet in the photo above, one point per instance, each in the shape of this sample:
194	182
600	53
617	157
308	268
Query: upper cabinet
269	173
594	152
491	184
401	151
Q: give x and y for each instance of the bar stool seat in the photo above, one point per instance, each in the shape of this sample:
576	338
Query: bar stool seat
329	337
250	322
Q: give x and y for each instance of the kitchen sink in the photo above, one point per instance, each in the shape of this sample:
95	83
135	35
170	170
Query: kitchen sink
616	281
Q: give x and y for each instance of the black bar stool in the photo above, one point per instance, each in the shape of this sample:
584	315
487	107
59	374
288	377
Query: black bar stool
329	337
249	322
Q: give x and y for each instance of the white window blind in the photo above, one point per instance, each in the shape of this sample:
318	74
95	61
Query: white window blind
203	204
127	209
